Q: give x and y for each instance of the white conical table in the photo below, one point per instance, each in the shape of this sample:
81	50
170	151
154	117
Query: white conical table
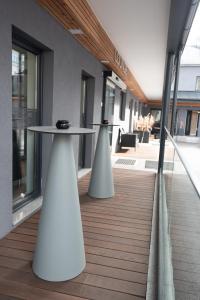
101	181
59	253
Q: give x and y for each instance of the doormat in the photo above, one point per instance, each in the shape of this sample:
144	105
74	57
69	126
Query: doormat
151	164
122	161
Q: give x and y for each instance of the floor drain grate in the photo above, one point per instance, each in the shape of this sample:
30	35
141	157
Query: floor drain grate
121	161
150	164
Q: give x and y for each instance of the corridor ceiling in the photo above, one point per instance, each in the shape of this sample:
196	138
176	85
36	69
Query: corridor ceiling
138	29
130	37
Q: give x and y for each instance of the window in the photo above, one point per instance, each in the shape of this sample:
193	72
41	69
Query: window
156	114
109	106
198	83
25	113
122	109
135	108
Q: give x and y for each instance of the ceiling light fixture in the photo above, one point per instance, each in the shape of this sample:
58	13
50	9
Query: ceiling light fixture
105	61
75	31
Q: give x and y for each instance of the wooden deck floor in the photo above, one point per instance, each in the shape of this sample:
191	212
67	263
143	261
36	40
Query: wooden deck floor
146	151
117	238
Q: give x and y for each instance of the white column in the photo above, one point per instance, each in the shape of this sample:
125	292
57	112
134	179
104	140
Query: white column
101	181
60	251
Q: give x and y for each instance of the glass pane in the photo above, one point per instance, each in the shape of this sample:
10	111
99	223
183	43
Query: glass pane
109	108
83	123
25	113
183	215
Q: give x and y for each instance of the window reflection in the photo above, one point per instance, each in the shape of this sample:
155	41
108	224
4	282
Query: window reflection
24	113
109	107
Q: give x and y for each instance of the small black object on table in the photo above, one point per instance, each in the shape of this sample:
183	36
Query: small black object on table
63	124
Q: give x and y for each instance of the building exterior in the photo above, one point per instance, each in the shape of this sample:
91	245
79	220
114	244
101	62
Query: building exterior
188	93
53	77
188	102
58	63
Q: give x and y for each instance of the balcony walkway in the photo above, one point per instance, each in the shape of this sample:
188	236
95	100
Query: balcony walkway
117	236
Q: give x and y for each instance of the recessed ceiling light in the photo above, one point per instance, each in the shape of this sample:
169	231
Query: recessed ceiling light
105	61
76	31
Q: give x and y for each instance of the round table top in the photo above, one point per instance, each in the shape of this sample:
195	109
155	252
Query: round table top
103	125
54	130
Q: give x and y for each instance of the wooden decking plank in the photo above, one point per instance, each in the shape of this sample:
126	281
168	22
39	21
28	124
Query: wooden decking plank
40	289
27	255
107	283
94	236
117	238
17	264
101	225
125	208
133	236
91	258
96	214
139	247
116	246
104	220
136	236
24	291
112	284
20	245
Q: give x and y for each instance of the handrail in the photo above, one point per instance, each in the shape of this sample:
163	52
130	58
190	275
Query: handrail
165	269
182	160
160	284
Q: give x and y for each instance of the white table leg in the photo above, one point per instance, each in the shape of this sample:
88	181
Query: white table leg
101	181
60	251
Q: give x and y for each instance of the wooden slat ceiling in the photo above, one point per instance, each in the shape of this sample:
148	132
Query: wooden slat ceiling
77	14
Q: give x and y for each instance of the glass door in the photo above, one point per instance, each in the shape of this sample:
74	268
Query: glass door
194	123
25	113
83	122
109	106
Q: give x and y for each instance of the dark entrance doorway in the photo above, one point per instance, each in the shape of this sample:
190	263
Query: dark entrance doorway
86	118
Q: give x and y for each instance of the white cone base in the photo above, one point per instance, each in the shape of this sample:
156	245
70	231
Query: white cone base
101	181
60	254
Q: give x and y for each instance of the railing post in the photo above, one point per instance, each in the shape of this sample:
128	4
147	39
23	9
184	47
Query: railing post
173	120
165	104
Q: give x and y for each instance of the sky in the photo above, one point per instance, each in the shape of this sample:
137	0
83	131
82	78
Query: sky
191	53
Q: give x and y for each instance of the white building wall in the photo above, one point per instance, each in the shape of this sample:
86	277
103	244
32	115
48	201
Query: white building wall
187	78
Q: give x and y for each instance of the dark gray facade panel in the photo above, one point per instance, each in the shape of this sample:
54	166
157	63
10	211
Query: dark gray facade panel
61	90
5	127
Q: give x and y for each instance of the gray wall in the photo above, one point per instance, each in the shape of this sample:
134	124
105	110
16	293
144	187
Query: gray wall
62	84
187	78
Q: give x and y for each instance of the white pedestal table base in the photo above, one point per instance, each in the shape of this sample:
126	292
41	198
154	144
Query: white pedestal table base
59	253
101	182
